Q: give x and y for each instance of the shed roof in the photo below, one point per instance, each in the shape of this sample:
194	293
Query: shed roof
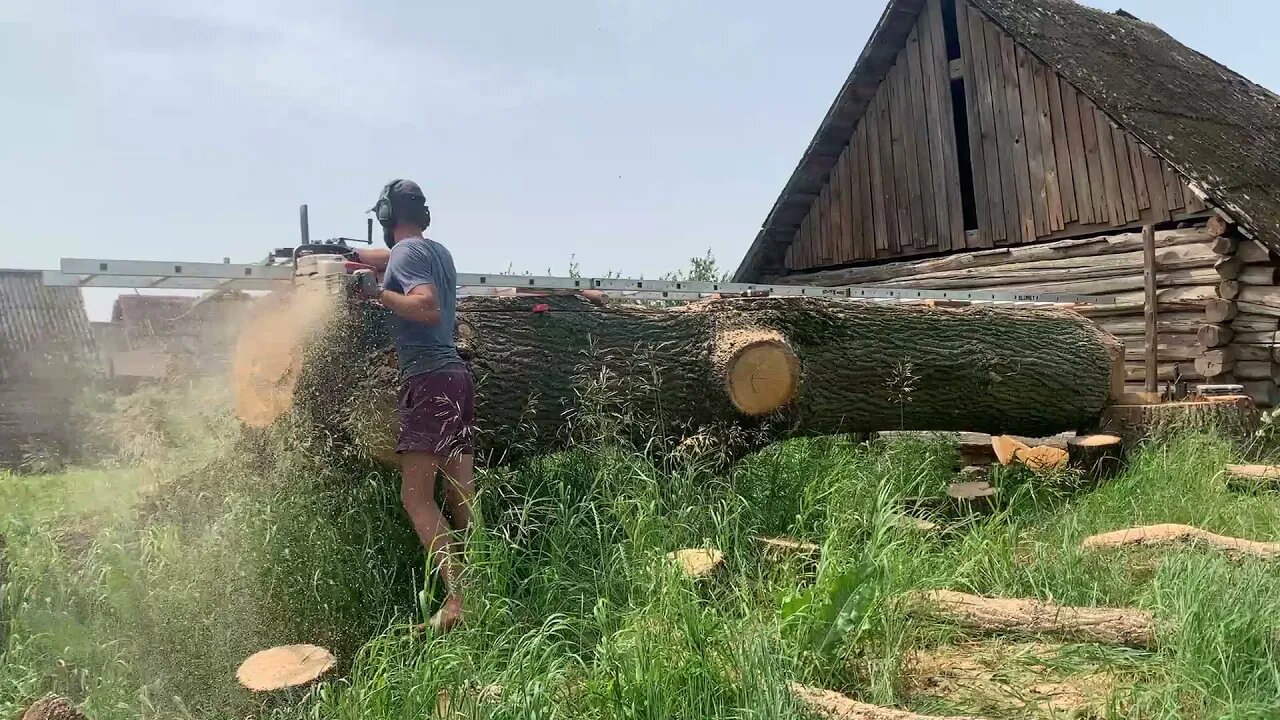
39	322
1213	125
155	311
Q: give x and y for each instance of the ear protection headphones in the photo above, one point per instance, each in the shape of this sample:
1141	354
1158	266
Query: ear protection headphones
385	209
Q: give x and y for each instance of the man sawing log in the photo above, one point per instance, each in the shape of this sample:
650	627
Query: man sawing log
773	366
436	405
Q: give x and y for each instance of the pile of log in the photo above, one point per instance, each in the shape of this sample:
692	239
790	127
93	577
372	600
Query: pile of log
1107	267
1240	327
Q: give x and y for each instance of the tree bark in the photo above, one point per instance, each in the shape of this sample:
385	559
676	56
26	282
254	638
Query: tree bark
547	367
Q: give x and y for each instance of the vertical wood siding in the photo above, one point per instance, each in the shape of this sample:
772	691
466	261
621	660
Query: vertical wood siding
1043	161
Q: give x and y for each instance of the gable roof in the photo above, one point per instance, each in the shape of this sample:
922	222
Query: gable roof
39	324
153	312
1211	124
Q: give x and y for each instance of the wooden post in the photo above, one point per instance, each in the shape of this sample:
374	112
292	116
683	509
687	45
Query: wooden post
1149	307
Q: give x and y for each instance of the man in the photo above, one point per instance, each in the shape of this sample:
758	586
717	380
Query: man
437	392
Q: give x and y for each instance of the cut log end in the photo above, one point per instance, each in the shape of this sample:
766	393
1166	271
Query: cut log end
760	370
284	667
697	563
1007	448
1099	456
1042	458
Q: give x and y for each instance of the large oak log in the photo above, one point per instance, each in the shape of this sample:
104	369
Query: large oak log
817	366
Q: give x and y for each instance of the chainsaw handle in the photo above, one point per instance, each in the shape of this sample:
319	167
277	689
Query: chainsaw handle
324	249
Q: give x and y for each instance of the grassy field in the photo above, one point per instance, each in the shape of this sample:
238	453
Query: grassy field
136	590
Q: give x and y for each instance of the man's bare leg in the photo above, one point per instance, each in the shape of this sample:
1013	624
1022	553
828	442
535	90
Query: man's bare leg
459	493
417	492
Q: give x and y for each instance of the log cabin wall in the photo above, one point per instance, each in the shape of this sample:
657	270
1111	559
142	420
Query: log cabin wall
1242	323
972	142
1218	302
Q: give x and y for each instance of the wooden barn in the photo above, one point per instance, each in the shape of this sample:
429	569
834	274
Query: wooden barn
47	357
1025	145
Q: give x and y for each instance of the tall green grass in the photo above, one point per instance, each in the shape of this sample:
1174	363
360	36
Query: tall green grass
138	592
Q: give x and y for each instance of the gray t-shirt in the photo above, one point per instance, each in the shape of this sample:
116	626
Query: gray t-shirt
423	348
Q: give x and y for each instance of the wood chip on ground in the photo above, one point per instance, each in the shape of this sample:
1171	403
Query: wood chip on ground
833	705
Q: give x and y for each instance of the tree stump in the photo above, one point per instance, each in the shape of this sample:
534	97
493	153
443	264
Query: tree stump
284	667
1098	456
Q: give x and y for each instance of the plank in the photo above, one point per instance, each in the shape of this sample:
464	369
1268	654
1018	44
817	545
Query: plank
1172	187
1031	130
853	200
1149	307
1093	160
824	225
1062	149
869	199
924	214
1083	202
973	47
1139	172
1000	107
1124	172
1053	193
898	151
955	219
887	207
788	257
839	210
941	152
1194	203
972	81
1016	138
1155	183
1110	175
801	243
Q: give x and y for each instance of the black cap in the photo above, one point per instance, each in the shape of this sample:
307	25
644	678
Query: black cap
406	189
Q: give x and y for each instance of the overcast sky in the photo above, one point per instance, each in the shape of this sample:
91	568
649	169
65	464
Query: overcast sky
628	134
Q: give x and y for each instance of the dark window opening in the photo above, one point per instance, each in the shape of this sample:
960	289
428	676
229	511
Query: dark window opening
959	111
950	29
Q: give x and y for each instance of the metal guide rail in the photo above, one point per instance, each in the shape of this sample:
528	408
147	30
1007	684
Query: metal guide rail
82	272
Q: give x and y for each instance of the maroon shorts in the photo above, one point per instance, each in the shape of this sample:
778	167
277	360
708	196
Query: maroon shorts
438	412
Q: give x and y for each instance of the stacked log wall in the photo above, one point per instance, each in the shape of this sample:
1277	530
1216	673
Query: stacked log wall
1202	271
1242	323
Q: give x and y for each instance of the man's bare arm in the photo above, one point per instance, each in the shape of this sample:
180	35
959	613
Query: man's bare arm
420	305
376	258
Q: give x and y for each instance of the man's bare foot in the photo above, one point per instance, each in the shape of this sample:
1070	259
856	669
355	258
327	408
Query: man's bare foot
448	616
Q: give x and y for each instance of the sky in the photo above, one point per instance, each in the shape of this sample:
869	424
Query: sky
623	135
